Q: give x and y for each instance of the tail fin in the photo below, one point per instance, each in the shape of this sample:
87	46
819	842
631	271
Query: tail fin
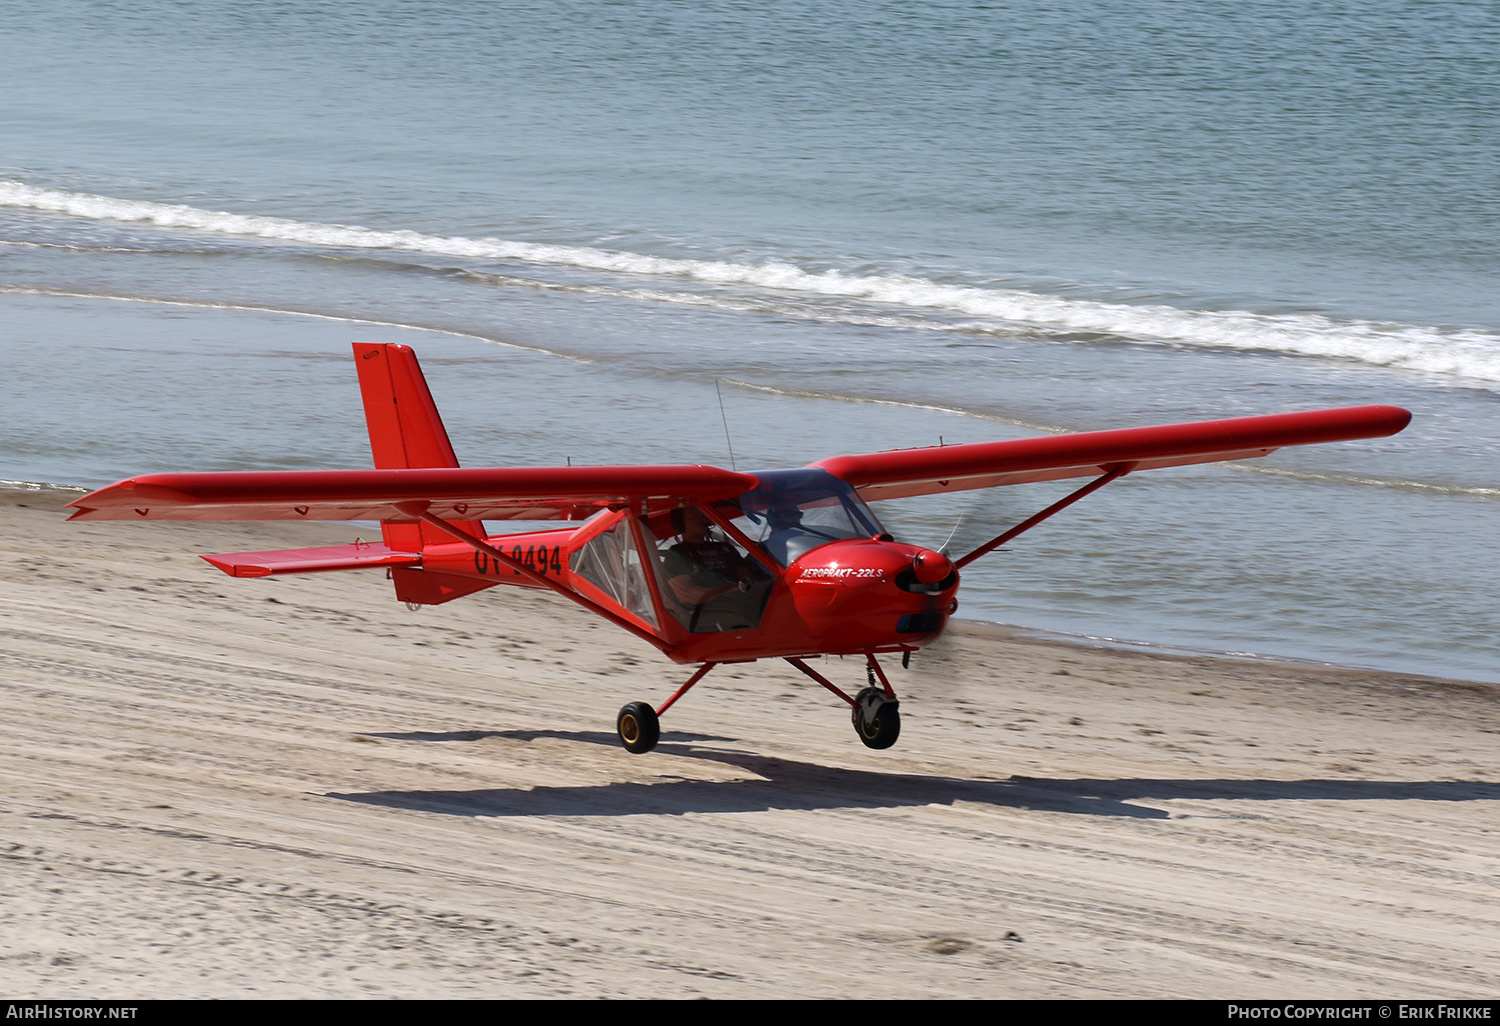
405	430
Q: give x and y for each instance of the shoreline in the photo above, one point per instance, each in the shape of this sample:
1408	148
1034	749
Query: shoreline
1357	573
294	787
60	494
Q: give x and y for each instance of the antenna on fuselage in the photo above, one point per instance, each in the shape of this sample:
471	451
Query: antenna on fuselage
726	425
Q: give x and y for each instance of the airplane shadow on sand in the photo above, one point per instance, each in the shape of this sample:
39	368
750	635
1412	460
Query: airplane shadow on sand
607	738
786	784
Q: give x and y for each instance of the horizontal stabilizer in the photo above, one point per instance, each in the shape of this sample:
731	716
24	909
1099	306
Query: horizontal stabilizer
310	561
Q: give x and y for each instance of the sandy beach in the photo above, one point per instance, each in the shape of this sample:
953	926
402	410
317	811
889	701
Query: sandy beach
298	788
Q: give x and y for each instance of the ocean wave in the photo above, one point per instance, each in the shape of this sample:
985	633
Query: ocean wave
1474	491
205	304
802	393
1463	353
842	397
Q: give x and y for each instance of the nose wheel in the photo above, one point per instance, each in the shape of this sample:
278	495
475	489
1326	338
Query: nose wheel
876	717
875	711
638	727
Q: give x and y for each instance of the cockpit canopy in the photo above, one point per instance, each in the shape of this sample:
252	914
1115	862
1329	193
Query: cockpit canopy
705	579
792	512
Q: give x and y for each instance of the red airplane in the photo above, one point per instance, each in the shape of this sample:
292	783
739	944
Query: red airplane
711	566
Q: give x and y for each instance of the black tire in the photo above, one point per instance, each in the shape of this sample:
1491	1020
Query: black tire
638	727
881	730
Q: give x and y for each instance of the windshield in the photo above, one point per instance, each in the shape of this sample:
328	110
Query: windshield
794	511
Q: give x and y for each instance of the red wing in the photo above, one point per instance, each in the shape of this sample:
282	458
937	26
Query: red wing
893	475
545	493
572	493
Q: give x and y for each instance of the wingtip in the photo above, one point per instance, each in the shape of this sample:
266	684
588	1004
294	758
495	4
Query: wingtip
236	569
1382	420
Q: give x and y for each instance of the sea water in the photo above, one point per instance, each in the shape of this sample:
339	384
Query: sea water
860	226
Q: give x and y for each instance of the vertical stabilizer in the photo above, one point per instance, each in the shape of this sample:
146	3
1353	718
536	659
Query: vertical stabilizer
405	430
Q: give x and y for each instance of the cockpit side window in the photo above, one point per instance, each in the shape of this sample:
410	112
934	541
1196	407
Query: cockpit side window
611	563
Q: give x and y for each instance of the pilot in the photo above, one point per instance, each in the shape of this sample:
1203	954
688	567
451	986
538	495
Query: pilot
711	577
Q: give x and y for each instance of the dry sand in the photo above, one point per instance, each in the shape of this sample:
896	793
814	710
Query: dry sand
298	788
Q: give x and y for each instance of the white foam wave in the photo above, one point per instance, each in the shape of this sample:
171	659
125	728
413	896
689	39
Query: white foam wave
743	304
1469	354
41	486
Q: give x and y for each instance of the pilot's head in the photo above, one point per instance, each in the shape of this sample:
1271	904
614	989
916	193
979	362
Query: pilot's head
691	523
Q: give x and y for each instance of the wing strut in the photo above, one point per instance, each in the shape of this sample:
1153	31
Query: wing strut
419	511
1119	470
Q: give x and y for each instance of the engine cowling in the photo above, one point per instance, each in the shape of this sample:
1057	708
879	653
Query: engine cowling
864	594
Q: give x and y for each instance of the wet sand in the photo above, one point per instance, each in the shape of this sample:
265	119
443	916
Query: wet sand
298	788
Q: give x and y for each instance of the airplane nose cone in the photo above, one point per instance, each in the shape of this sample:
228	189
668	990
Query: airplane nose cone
930	567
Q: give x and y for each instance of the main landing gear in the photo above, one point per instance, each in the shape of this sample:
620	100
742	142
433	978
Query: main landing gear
875	711
639	728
